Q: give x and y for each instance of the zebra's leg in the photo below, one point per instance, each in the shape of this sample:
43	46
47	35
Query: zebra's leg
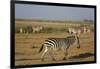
65	54
51	53
44	53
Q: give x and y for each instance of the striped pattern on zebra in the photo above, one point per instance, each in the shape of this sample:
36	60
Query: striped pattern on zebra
53	44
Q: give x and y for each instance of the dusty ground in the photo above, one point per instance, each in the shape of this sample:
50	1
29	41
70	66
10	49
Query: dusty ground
27	47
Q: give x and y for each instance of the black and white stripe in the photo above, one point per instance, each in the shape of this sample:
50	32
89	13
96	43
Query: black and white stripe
54	44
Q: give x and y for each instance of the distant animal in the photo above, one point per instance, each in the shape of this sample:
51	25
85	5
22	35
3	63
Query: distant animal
53	44
37	29
75	31
88	30
21	30
84	29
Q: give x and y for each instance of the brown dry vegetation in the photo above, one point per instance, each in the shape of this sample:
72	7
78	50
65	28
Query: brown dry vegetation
28	45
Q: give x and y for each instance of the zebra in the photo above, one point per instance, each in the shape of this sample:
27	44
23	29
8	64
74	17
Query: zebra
21	30
75	31
53	44
37	29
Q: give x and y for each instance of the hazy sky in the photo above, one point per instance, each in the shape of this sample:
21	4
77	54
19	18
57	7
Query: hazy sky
25	11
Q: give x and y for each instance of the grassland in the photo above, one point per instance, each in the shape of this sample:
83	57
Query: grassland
28	45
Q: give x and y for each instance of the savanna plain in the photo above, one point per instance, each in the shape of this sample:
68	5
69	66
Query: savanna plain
27	45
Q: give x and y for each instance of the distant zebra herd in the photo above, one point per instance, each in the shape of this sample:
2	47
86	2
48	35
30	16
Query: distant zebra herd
78	31
30	29
36	29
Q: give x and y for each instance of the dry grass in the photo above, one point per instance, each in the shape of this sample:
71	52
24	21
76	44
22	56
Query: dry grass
27	47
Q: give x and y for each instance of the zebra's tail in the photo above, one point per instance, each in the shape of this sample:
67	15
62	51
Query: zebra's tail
41	48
